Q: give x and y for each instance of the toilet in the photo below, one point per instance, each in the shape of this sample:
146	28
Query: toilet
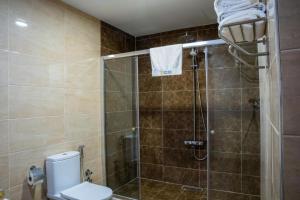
63	180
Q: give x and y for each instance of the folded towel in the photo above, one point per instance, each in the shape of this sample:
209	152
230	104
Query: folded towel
225	8
247	29
222	7
166	60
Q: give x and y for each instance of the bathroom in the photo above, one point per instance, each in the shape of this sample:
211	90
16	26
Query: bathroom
78	84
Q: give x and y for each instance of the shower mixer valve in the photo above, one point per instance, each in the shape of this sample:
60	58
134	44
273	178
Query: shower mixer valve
194	143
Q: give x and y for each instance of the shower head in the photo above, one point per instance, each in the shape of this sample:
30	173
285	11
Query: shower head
187	38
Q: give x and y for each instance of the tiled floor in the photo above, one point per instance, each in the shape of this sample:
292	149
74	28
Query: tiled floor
154	190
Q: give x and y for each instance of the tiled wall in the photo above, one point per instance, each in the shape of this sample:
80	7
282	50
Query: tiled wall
289	42
166	120
115	41
166	114
49	89
235	143
121	157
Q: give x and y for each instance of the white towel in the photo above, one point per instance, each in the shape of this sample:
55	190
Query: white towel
226	8
247	28
167	60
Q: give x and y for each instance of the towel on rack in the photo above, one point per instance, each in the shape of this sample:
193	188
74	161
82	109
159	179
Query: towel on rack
231	11
245	32
225	8
167	60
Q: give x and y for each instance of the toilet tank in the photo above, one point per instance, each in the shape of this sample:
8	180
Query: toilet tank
63	172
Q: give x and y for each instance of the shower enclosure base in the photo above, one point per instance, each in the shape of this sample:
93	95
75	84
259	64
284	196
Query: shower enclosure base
156	190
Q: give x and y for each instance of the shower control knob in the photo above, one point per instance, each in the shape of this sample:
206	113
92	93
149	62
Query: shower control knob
212	132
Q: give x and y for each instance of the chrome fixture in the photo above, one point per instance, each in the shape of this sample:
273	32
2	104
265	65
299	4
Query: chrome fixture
81	152
88	174
196	89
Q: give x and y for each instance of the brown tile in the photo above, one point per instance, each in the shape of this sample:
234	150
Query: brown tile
148	83
226	120
150	188
151	137
290	72
153	155
208	34
219	58
118	121
251	164
118	179
107	51
225	162
177	38
129	43
224	78
226	141
251	121
148	43
178	100
225	99
169	192
150	119
192	195
248	95
179	82
150	100
144	64
225	181
119	141
178	120
180	158
251	185
130	190
115	101
288	12
249	77
251	143
176	138
291	114
181	176
119	163
222	195
112	38
291	167
152	171
115	81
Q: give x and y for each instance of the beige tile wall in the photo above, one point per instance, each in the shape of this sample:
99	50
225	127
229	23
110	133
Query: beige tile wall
49	89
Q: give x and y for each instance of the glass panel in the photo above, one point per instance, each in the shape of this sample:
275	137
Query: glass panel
121	128
234	145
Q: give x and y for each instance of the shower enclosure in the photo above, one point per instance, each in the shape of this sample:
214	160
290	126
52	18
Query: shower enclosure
149	122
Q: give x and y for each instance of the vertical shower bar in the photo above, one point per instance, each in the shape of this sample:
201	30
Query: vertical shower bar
207	122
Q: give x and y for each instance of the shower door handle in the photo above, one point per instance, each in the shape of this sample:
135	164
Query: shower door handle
212	132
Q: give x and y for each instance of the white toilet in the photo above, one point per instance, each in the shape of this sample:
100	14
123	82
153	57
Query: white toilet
63	180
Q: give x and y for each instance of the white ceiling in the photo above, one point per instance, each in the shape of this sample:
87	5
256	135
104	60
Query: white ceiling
143	17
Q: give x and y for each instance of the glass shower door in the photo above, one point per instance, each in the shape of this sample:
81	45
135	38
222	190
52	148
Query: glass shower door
233	123
121	126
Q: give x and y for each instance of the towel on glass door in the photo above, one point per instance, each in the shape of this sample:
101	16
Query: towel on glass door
167	60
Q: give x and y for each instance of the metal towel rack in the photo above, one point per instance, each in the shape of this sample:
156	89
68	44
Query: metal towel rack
238	47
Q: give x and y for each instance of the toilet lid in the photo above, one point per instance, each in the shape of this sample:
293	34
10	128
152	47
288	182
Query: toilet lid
87	191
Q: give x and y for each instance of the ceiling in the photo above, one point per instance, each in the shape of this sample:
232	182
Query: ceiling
143	17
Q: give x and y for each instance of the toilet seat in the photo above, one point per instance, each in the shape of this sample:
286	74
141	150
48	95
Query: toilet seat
87	191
